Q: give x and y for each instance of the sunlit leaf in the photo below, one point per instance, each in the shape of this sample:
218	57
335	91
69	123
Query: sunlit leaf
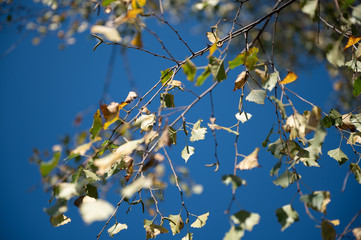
235	233
356	120
249	162
310	7
97	124
291	77
296	125
189	70
110	33
243	117
117	227
355	169
47	167
187	152
258	96
166	75
153	230
248	58
357	233
140	183
212	37
335	222
189	236
67	190
82	149
328	231
234	180
176	223
352	41
212	49
201	221
145	122
271	81
240	81
286	215
201	78
317	200
335	56
286	178
338	155
137	40
59	220
92	210
217	69
111	113
198	132
246	220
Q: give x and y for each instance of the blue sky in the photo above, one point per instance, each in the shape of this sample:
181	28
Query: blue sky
42	90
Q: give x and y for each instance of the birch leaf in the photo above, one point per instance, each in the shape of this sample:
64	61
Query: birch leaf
187	152
317	200
243	117
201	221
246	220
352	41
286	215
176	223
258	96
198	132
117	227
338	155
291	77
95	210
240	81
59	220
110	33
249	162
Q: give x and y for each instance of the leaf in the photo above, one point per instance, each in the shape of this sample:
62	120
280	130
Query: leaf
240	81
111	113
187	152
216	67
167	100
258	96
247	58
296	125
235	233
140	183
291	77
354	65
189	236
67	190
215	126
176	223
201	221
335	56
246	220
59	220
328	231
212	49
249	162
47	167
97	125
137	40
212	37
81	150
317	200
243	117
286	179
338	155
271	81
145	122
117	227
152	229
110	33
276	168
355	169
166	75
310	8
352	41
201	78
356	120
92	210
357	87
198	132
286	215
234	180
335	222
189	70
310	154
357	233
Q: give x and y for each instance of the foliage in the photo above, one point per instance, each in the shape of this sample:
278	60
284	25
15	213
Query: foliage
130	143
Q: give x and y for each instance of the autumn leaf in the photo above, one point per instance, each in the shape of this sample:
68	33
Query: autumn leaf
352	41
137	40
176	223
117	227
286	216
198	132
201	221
249	162
111	112
187	152
291	77
59	220
240	81
93	210
110	33
212	49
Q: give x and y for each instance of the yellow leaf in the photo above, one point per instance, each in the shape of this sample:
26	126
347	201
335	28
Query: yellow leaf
138	3
137	40
111	112
212	49
249	162
351	41
240	81
335	222
291	77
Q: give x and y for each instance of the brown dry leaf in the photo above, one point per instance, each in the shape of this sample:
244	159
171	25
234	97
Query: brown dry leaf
347	124
296	125
240	81
313	119
131	96
291	77
111	112
357	233
352	41
249	162
262	74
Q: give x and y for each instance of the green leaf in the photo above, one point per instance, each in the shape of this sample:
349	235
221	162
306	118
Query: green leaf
234	180
271	81
266	141
317	200
328	121
216	67
357	87
338	155
187	152
310	154
276	168
258	96
59	220
286	179
201	78
235	233
47	167
91	191
92	176
198	132
166	75
286	215
277	148
248	58
335	56
243	117
105	3
328	231
59	208
97	125
189	70
246	220
152	229
117	227
167	100
201	221
356	120
176	223
172	135
355	169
